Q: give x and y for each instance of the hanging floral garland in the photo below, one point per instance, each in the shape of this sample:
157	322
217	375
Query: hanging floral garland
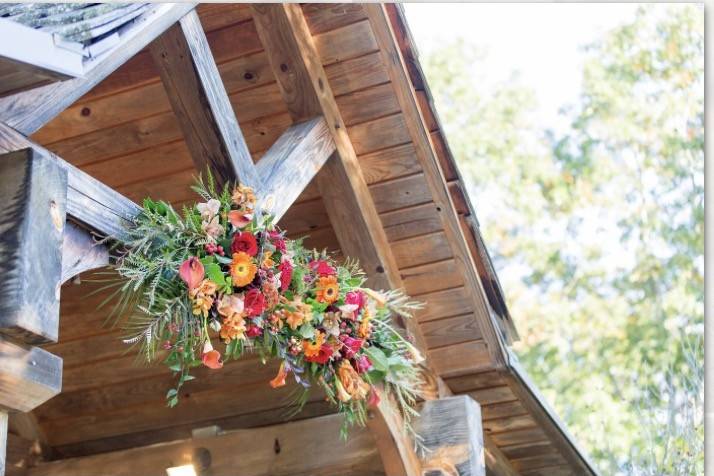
223	272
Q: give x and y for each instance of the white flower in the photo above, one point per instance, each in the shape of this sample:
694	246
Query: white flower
209	209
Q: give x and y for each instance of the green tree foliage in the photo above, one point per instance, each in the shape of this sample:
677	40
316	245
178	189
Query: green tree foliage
598	232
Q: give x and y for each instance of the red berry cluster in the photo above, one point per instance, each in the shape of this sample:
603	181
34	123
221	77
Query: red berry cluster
212	248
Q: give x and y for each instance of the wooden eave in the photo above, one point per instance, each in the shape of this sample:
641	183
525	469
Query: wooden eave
127	133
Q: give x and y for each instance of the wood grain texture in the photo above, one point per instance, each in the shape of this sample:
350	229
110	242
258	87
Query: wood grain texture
201	104
29	376
80	252
292	162
3	440
418	133
272	450
395	446
89	201
453	437
29	111
33	188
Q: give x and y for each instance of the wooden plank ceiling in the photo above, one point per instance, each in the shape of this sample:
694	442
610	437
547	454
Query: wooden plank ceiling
124	133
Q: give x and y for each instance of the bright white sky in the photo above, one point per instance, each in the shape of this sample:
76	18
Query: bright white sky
540	40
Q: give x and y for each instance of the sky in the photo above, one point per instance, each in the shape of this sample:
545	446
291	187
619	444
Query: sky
541	41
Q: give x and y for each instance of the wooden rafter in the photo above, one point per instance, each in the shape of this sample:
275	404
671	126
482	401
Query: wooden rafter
294	60
201	104
418	132
28	111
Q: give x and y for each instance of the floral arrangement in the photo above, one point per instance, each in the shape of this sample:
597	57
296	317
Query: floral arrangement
222	274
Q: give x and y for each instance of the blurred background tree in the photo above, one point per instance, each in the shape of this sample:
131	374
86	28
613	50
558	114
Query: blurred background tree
598	232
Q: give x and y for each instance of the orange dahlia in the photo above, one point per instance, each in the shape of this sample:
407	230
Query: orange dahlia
327	289
352	383
242	269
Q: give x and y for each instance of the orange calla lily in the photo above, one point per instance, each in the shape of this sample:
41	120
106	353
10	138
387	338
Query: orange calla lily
239	219
192	272
211	358
279	379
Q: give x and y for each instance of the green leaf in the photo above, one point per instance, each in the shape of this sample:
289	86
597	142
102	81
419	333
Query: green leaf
307	331
171	393
214	273
379	360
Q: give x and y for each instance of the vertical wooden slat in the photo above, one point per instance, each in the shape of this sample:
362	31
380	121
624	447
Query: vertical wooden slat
201	104
33	190
3	440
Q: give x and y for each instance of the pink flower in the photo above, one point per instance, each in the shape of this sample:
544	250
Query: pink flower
351	346
322	268
192	272
254	303
363	364
373	399
356	298
277	240
286	274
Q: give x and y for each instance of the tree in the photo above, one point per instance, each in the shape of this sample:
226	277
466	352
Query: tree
598	233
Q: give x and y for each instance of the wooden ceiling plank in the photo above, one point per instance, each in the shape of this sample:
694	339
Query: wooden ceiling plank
201	104
30	110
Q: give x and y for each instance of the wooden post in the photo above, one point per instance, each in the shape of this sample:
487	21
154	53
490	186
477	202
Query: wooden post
452	436
3	440
33	190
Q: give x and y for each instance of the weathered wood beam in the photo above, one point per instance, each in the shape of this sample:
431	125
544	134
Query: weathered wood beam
396	448
284	33
452	437
306	447
89	201
33	189
3	440
292	162
28	111
29	376
201	104
434	176
81	252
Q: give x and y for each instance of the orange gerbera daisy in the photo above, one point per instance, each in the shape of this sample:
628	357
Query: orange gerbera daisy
327	289
242	269
312	349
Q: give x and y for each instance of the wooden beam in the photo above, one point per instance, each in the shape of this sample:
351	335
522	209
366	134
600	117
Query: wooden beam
29	376
81	252
201	104
496	462
452	437
293	58
89	201
28	111
33	189
292	162
3	440
434	176
306	447
396	448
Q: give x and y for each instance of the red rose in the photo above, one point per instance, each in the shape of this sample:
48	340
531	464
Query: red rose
254	302
323	355
321	267
286	275
253	330
244	241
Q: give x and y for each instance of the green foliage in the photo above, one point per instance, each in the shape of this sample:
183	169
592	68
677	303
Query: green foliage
598	233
